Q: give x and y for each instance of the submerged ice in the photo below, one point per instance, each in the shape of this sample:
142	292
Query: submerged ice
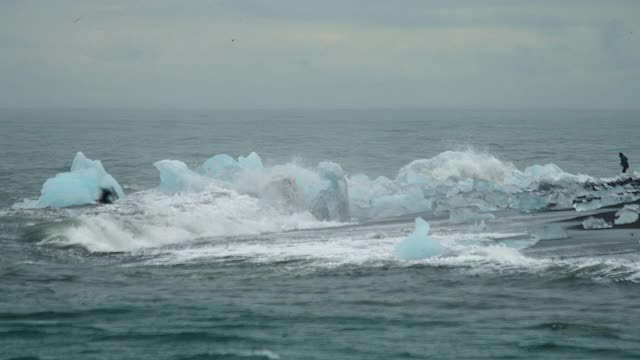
81	185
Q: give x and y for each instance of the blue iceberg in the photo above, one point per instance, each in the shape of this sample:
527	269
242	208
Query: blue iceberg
224	167
81	185
332	203
419	245
175	177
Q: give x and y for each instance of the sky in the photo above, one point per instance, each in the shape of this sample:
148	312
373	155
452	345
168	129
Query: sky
320	54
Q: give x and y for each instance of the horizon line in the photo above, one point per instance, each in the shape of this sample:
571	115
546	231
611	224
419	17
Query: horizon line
312	108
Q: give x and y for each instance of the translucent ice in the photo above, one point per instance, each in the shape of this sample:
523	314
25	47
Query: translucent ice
592	223
226	168
382	197
332	203
81	185
419	245
175	176
627	215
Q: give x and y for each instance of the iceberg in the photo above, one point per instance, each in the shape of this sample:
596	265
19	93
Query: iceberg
419	245
81	185
175	177
332	203
224	167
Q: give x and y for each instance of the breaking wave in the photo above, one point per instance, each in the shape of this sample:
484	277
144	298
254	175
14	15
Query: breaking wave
233	205
151	219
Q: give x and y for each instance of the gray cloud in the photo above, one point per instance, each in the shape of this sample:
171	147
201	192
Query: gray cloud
286	53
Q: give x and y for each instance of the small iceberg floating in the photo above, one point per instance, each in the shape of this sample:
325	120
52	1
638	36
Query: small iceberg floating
419	245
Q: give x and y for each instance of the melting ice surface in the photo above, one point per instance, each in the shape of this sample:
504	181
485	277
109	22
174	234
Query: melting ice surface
627	215
79	186
592	223
419	245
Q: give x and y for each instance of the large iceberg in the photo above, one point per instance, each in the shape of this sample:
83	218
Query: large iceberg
81	185
419	245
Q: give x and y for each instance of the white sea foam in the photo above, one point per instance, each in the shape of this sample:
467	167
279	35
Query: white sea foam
153	219
375	246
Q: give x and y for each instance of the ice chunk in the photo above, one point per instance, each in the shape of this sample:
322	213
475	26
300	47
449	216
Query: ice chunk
175	176
332	203
549	173
419	245
592	223
251	162
81	185
627	215
530	201
412	201
226	168
605	198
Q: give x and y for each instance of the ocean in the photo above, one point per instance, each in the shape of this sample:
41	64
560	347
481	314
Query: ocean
293	252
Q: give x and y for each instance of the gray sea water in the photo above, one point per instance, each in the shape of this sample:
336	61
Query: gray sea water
259	283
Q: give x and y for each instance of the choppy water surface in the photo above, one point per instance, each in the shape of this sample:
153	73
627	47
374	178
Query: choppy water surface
235	273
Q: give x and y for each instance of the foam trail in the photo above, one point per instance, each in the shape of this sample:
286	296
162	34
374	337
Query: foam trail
153	219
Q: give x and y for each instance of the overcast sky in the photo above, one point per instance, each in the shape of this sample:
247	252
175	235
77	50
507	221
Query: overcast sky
329	53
